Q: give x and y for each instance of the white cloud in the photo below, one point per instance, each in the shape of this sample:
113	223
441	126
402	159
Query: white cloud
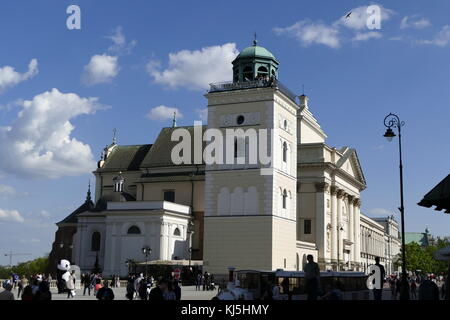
359	17
333	35
120	46
7	191
10	216
364	36
380	211
9	77
100	69
195	69
441	39
38	142
378	147
414	22
307	33
44	214
202	114
163	113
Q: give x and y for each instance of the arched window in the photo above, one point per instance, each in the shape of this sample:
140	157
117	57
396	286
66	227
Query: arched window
95	241
285	151
262	72
248	74
134	230
177	232
235	148
284	199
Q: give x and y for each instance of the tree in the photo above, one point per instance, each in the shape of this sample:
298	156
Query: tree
38	265
438	266
417	258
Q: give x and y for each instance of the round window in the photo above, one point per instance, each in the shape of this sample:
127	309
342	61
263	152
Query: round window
240	119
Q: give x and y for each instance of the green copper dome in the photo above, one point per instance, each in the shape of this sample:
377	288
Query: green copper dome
254	62
255	51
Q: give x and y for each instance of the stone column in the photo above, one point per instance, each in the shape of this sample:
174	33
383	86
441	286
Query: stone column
333	192
320	221
162	242
357	227
340	254
351	227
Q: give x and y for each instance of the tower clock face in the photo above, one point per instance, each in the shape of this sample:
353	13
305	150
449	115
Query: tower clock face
240	119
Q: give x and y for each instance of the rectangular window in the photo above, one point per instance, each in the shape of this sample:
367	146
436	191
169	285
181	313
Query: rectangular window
307	226
169	195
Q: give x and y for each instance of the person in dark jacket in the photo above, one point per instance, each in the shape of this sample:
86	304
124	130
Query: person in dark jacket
105	292
157	293
428	290
177	290
43	293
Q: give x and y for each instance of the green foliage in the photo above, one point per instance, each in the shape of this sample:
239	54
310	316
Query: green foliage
422	258
38	265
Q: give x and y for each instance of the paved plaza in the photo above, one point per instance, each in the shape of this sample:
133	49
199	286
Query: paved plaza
187	293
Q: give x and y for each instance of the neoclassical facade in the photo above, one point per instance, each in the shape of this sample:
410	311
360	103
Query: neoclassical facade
246	215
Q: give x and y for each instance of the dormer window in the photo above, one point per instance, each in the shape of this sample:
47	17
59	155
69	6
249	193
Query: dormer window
118	183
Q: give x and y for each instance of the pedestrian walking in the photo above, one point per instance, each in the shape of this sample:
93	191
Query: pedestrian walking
413	289
378	292
177	290
312	278
70	285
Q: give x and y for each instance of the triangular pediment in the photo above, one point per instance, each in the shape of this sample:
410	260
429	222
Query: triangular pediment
351	165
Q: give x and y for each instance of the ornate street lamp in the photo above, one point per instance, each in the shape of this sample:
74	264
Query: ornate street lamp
393	121
146	251
367	249
339	229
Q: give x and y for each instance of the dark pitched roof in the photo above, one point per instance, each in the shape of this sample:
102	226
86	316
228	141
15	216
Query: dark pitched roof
160	153
125	158
114	197
439	196
72	218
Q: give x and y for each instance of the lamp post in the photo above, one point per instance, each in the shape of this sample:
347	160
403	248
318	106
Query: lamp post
339	228
393	121
146	251
128	264
367	249
190	231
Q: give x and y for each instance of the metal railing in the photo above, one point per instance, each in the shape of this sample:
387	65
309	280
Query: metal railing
258	83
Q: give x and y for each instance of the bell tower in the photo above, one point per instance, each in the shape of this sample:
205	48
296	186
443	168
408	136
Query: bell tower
254	62
250	208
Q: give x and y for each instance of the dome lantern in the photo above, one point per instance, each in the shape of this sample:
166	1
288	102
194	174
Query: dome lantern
254	62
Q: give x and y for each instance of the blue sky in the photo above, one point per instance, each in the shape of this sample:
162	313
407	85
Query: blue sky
63	91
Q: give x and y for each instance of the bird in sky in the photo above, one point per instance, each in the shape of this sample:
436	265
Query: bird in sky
348	15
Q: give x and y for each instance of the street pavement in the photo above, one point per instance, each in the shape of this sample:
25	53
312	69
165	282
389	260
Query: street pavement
187	293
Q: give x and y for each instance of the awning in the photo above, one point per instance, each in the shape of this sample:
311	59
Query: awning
173	262
439	196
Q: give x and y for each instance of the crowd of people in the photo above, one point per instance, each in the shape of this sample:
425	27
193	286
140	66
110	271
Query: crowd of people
204	281
36	287
141	287
422	287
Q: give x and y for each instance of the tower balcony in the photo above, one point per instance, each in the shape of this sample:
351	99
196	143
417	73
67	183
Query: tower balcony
258	83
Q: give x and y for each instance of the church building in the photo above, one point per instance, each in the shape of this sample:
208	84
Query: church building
245	216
